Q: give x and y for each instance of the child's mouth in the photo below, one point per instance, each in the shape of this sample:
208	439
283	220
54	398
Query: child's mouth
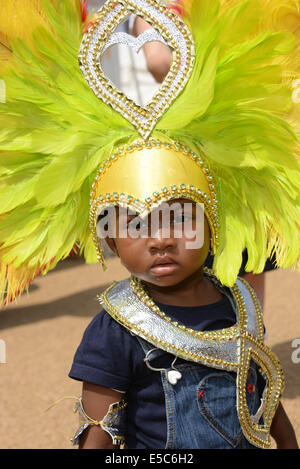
164	268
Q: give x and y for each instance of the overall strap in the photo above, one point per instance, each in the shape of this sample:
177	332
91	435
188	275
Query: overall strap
147	348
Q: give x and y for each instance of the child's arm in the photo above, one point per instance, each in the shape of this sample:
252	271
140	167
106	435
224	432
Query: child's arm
96	401
158	56
282	430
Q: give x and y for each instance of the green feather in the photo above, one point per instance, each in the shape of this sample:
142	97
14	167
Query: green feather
55	133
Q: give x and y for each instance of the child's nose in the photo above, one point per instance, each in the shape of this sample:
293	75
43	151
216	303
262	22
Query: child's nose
161	240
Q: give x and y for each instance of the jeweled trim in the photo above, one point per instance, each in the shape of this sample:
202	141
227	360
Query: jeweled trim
189	340
248	345
227	334
171	28
210	200
252	348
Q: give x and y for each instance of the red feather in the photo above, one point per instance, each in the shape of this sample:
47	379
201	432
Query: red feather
84	10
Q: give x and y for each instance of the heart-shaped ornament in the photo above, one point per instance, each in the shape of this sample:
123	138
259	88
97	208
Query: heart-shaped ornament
173	376
168	28
136	43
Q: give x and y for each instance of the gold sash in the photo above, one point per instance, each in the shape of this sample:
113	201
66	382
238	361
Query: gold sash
231	349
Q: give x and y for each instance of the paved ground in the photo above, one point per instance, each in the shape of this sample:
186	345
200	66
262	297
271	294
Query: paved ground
42	332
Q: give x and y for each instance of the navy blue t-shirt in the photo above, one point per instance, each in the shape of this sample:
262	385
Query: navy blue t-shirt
110	356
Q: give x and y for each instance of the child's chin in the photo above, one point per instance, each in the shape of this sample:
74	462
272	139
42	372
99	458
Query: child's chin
165	280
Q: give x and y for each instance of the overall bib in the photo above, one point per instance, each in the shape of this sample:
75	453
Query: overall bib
201	405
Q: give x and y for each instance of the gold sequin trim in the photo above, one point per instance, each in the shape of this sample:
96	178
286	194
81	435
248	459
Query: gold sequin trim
209	201
112	14
250	347
228	334
222	335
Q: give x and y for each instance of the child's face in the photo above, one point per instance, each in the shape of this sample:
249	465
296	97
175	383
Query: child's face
169	254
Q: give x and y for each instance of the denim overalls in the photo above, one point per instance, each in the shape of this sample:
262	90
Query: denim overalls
201	406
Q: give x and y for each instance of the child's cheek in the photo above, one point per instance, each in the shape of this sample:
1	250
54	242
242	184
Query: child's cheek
132	253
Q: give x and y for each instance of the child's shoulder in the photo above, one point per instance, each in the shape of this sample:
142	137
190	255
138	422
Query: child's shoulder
108	355
105	326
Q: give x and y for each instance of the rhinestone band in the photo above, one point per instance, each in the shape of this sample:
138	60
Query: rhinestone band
170	29
135	313
136	43
209	201
227	334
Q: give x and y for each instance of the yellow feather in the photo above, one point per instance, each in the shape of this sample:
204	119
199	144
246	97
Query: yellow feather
18	18
285	15
275	15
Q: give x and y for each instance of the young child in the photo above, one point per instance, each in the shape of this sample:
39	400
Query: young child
176	357
130	376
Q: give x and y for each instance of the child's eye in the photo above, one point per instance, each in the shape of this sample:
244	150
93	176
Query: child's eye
138	224
182	218
142	225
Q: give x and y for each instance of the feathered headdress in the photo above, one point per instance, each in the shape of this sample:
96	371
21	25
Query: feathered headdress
231	110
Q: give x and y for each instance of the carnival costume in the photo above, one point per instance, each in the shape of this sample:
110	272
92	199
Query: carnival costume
221	131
